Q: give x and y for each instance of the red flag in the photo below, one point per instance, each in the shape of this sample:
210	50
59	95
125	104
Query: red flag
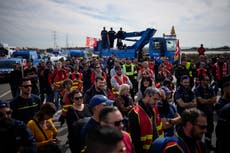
91	42
177	53
177	48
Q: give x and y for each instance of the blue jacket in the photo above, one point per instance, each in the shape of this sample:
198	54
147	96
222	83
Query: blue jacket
16	137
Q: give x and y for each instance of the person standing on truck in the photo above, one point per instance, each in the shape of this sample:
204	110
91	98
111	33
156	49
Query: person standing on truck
120	36
112	36
104	38
201	50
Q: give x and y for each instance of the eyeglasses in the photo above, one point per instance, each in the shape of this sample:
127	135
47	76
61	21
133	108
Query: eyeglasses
27	86
77	98
5	113
117	123
202	126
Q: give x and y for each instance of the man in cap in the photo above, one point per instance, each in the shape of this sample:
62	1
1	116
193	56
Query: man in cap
14	135
97	103
222	108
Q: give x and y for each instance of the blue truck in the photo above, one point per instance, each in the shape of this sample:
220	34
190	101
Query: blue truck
27	54
165	46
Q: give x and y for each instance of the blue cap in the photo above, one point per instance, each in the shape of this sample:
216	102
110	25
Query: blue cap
117	68
166	90
4	103
99	99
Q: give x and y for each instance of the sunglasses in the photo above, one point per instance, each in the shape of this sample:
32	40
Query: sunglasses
118	123
5	113
27	86
77	98
202	126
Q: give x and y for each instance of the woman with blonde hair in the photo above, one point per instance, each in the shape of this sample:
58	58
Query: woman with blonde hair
124	101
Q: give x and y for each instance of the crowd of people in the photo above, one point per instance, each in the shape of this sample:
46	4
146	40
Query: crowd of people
119	105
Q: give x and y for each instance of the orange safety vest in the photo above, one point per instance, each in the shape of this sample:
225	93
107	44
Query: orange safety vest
120	82
146	127
159	124
127	141
224	69
58	78
66	104
77	83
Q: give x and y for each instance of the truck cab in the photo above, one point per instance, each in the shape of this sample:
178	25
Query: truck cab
163	47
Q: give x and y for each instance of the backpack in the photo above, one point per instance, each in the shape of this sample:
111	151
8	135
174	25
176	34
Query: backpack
75	137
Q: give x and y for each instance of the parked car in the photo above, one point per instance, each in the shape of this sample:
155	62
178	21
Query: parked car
6	66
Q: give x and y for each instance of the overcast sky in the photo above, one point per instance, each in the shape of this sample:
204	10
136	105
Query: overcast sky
32	23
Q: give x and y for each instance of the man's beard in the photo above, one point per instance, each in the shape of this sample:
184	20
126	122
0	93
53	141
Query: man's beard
195	136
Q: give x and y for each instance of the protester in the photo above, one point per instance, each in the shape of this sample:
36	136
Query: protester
201	50
15	137
31	73
15	79
206	99
168	114
45	87
145	82
55	79
105	139
75	113
26	104
111	116
99	87
42	126
97	103
222	108
119	79
141	121
124	101
184	96
193	126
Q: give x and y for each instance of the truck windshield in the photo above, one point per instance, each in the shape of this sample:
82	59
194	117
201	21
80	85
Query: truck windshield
171	45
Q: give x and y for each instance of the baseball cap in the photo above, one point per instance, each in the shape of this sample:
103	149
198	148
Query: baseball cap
4	103
100	99
166	90
117	68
